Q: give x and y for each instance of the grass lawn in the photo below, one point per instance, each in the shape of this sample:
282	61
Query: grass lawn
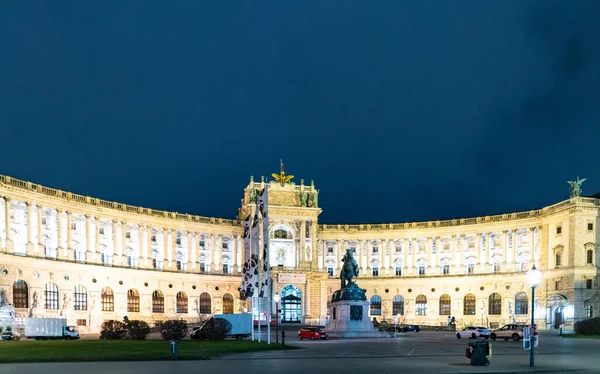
123	350
581	336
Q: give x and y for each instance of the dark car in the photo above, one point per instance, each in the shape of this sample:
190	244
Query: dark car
407	328
312	333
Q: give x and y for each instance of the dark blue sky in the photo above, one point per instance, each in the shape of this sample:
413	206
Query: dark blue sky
399	110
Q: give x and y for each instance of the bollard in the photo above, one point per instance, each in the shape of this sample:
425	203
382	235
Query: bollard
173	350
282	339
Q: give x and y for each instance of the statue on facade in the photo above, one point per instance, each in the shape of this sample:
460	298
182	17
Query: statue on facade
303	198
34	303
253	195
576	186
314	199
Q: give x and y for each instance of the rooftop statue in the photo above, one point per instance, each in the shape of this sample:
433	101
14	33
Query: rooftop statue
576	186
281	177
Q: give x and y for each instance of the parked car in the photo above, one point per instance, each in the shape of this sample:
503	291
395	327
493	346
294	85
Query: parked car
10	336
511	331
473	332
312	333
407	328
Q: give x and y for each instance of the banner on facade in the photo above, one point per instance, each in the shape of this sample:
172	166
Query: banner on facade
264	212
291	278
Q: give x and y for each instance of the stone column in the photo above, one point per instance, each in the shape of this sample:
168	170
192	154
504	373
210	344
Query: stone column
464	254
531	248
415	252
123	257
404	244
30	245
234	249
219	250
88	238
322	248
389	245
478	253
40	226
505	253
208	241
70	252
142	254
148	260
188	252
303	240
429	254
97	249
338	257
453	249
369	274
115	239
173	251
313	242
166	261
61	239
486	256
7	220
514	249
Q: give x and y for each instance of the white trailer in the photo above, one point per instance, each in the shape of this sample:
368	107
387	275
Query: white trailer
241	324
49	328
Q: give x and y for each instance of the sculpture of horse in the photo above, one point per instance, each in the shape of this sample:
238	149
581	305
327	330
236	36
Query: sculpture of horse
349	269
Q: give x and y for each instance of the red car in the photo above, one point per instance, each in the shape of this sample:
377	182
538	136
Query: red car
312	333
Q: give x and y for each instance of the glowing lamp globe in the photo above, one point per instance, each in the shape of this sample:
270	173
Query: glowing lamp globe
276	298
534	276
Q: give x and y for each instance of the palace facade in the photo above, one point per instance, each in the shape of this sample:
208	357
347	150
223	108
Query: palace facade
91	260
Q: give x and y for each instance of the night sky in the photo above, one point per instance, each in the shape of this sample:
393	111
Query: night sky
398	110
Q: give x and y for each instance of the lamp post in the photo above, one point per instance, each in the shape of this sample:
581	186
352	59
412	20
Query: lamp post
276	298
533	278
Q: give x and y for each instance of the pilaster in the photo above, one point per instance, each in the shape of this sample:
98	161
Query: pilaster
7	219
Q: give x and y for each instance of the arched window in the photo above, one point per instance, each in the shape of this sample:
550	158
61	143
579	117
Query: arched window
495	304
182	302
227	304
375	305
281	234
445	305
158	302
469	305
398	305
51	296
421	305
521	303
205	301
80	298
108	300
133	300
20	294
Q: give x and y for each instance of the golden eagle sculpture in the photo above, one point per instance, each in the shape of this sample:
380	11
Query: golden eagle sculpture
281	177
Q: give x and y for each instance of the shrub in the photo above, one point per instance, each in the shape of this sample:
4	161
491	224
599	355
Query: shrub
174	329
136	330
588	327
112	329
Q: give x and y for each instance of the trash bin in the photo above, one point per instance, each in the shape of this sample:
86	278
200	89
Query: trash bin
479	352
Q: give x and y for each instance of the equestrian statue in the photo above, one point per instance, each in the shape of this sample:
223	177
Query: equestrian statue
349	269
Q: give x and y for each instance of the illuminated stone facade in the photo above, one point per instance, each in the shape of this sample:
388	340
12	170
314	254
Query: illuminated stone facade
91	260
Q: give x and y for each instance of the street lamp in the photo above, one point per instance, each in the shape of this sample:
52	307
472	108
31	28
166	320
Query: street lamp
533	278
277	298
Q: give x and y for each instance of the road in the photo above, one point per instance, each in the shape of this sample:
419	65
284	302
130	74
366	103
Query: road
424	352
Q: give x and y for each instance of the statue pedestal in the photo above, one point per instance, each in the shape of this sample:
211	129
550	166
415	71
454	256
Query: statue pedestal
349	314
350	319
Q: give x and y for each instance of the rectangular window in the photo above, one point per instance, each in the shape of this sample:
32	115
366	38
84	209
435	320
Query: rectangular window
398	249
446	269
558	230
470	268
329	249
497	267
330	272
225	268
590	256
178	241
74	226
225	245
421	269
588	284
155	263
201	244
590	226
589	311
128	235
179	265
44	221
101	230
375	249
375	272
82	322
557	259
398	270
153	238
556	285
202	267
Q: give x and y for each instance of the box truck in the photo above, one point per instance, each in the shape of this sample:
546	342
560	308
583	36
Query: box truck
49	328
238	326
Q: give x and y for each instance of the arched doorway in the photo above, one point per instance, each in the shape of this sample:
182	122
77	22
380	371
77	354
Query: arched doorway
291	305
555	315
